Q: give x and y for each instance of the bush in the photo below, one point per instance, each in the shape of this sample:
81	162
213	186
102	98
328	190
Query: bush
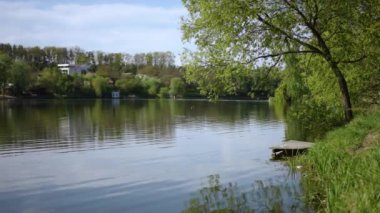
152	85
177	87
49	78
100	85
20	77
129	85
164	92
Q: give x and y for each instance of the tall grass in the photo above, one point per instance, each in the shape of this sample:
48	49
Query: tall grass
342	171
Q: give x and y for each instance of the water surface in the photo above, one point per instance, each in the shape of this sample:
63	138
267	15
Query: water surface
138	156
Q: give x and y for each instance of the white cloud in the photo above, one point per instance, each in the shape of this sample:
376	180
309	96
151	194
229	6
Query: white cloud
107	27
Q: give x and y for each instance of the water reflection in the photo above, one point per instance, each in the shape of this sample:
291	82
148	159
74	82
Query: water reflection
263	196
132	156
36	124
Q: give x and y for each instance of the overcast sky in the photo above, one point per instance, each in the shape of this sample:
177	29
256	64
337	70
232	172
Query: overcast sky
128	26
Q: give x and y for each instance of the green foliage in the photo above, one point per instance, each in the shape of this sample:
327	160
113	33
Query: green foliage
5	64
364	80
341	171
219	198
111	66
219	78
20	76
164	92
49	78
64	85
263	82
234	36
78	83
82	58
313	97
103	70
230	198
100	85
59	84
177	87
148	70
152	85
129	85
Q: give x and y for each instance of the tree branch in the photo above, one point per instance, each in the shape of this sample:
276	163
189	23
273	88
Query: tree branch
353	61
316	33
310	46
273	55
316	12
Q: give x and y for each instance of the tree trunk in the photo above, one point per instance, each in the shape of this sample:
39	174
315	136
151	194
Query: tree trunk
344	91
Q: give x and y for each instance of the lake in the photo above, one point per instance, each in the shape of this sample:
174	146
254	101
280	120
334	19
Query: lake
143	156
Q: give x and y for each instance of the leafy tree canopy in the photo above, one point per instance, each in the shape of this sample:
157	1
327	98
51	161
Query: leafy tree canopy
235	36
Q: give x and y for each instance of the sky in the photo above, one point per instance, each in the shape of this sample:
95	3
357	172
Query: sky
127	26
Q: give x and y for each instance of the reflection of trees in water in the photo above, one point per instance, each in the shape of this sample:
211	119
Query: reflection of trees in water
309	123
262	197
69	123
226	112
21	122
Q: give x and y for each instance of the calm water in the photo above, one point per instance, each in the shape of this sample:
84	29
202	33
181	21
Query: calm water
139	156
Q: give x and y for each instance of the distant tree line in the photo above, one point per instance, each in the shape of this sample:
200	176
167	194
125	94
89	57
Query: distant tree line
40	58
33	71
26	71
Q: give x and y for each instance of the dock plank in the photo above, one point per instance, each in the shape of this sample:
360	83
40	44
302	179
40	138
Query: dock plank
290	148
292	144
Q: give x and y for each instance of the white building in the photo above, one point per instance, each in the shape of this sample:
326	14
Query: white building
70	69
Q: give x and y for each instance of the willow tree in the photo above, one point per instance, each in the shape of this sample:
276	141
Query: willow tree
248	32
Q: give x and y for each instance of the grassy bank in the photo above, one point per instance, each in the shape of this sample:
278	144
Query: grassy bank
342	171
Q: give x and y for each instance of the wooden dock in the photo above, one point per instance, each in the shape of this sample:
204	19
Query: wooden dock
5	97
290	148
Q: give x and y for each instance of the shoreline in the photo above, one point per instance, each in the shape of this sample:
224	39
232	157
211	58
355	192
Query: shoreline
342	166
131	99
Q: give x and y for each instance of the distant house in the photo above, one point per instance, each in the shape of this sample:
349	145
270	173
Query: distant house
71	69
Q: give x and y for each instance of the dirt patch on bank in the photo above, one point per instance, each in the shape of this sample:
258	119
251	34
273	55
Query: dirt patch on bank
370	141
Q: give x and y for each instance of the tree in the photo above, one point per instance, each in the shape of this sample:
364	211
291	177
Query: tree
177	87
82	58
248	32
100	85
112	71
263	83
117	66
164	92
5	64
20	76
129	85
139	59
152	85
49	78
148	70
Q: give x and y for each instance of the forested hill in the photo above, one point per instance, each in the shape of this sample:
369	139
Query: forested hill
33	71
